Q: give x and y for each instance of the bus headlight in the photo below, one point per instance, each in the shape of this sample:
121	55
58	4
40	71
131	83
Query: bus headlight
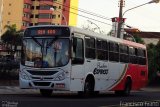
60	77
24	76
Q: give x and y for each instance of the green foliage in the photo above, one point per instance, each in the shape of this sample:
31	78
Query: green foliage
11	36
138	39
8	36
151	51
153	61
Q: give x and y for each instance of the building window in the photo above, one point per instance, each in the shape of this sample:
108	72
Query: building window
44	23
25	23
37	7
31	24
26	15
45	16
55	7
9	13
59	16
10	4
27	6
36	16
45	7
32	7
53	16
32	16
8	22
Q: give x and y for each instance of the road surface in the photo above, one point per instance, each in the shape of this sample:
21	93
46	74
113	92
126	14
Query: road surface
139	98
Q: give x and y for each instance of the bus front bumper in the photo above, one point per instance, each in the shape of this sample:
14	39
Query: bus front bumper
42	84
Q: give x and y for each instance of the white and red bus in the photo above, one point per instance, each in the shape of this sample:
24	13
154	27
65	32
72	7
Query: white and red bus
71	59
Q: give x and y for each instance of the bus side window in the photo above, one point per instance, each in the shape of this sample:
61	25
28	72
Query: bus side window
101	50
133	55
124	57
90	48
141	57
78	51
113	51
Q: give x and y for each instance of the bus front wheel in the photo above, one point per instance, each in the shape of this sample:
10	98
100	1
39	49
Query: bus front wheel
89	85
46	92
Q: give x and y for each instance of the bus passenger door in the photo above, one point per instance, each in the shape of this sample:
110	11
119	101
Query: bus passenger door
77	73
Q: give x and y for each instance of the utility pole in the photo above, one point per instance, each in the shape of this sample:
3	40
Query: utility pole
121	5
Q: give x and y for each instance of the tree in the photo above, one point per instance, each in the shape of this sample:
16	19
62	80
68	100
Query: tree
153	62
151	51
11	37
138	39
8	36
89	27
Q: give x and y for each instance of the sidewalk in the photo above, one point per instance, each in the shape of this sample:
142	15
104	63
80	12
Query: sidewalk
151	89
17	90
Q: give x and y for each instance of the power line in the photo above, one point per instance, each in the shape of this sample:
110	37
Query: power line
84	11
85	16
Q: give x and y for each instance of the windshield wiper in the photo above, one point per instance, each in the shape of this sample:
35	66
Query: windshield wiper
36	41
53	40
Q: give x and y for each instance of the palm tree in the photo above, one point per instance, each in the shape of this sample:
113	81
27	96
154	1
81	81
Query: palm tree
11	37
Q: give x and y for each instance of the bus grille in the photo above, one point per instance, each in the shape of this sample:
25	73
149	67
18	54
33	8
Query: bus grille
46	73
41	83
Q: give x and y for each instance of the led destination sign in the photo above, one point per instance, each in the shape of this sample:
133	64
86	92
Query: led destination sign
47	31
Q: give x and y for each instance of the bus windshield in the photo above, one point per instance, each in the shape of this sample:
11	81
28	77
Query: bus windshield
45	52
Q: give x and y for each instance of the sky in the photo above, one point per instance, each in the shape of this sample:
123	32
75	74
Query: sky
145	18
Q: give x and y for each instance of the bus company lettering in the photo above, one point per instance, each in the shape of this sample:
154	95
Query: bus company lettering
101	69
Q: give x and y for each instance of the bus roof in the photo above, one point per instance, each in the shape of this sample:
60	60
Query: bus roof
96	35
110	38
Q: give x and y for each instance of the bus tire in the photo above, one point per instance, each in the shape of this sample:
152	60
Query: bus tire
89	85
46	92
127	88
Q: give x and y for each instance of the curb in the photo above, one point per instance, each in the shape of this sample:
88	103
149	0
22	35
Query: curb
17	90
151	89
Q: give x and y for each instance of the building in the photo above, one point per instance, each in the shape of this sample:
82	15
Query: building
148	37
26	13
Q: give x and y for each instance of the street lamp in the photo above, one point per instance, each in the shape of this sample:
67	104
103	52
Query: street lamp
121	15
95	25
153	1
52	9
